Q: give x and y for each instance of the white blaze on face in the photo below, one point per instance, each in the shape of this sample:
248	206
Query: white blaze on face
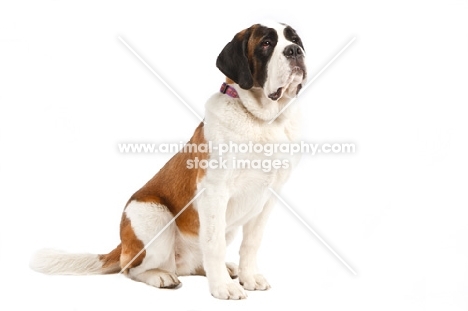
280	73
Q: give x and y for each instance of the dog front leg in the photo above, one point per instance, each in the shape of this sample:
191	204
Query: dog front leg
212	206
252	233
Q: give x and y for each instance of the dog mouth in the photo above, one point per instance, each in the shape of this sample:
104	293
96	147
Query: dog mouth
297	73
276	95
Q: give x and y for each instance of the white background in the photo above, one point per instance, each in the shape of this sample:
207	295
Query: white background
395	210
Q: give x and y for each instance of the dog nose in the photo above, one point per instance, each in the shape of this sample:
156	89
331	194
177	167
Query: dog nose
292	51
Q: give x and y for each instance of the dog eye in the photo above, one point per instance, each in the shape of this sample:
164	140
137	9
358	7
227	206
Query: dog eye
266	43
295	40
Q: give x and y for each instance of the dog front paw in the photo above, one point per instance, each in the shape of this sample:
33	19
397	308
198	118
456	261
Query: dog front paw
230	290
254	282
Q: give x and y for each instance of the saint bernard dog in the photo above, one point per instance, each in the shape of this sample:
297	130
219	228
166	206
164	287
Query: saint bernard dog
265	68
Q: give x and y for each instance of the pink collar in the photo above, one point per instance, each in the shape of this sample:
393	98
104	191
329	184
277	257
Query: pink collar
229	90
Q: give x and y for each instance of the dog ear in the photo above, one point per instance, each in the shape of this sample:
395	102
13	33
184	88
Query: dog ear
233	61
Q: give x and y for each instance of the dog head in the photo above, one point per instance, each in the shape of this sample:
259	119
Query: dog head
271	57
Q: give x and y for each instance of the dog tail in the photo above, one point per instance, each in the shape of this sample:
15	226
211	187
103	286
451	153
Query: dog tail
51	261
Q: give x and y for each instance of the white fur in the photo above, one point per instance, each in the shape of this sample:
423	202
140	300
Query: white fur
148	220
188	255
236	197
51	261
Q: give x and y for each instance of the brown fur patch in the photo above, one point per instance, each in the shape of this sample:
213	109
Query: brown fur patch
130	246
254	40
257	35
111	261
175	185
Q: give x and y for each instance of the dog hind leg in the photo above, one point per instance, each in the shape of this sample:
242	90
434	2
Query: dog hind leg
148	249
